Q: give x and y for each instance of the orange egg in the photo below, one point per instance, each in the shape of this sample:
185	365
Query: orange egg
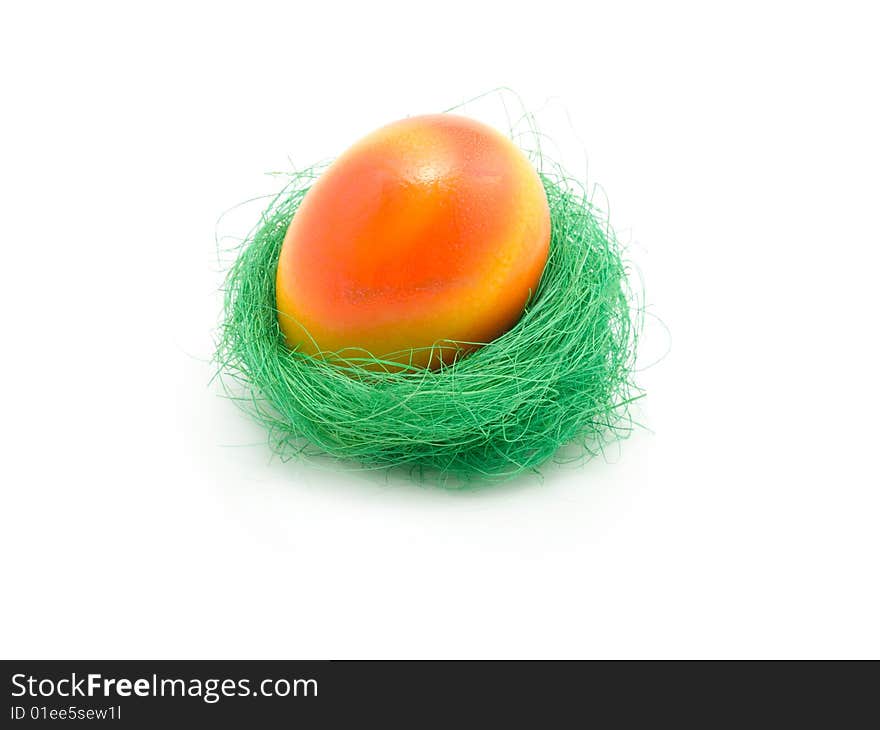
430	229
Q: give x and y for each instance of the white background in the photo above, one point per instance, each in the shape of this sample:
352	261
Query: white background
143	516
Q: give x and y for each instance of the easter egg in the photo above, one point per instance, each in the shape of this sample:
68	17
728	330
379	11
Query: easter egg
430	231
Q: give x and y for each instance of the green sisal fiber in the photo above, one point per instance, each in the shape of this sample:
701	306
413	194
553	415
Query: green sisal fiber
560	376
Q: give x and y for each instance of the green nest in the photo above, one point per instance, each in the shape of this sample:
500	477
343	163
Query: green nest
560	376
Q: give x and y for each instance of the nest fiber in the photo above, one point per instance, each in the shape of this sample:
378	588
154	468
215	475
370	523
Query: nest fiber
560	376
